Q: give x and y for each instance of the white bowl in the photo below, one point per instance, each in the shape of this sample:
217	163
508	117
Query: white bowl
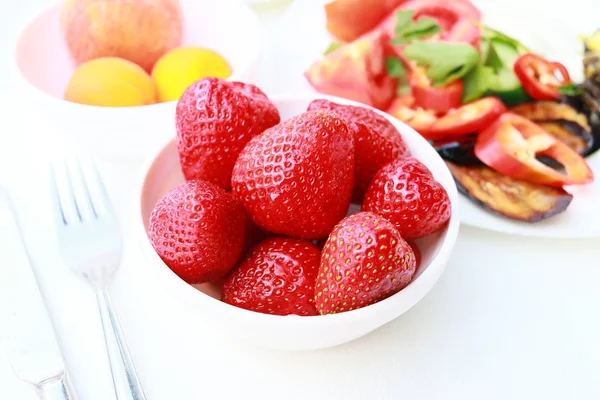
291	332
42	70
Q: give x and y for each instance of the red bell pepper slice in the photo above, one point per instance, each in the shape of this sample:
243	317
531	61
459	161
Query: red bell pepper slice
511	144
404	109
470	118
440	99
541	78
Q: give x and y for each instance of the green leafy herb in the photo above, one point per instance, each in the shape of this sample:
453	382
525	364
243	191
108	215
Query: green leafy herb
403	19
492	34
477	82
570	90
333	47
394	67
445	62
406	29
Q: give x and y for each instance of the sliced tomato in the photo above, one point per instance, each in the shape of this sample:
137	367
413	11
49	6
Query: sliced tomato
459	21
511	144
404	108
440	99
465	7
349	19
357	71
541	78
469	118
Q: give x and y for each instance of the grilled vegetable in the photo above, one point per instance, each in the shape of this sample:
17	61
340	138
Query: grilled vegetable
541	78
570	133
510	145
512	198
561	120
458	150
549	111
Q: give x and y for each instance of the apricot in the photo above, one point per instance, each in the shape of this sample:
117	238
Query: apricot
140	31
179	68
111	82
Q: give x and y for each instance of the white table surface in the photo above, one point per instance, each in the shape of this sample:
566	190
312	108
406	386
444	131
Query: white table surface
511	317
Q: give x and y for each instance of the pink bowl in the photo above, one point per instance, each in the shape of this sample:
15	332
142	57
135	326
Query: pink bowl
42	68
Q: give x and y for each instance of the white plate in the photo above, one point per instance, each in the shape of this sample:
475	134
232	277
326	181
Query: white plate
302	38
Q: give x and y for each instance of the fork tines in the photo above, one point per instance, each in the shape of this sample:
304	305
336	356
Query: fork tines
78	191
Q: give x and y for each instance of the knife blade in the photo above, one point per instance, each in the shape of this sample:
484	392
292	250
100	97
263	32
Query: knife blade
26	330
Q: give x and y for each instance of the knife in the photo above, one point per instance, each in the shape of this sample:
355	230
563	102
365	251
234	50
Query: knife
26	330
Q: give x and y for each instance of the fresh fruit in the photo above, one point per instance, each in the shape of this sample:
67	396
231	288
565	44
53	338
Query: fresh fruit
376	141
138	30
349	19
198	230
512	144
179	68
458	20
297	177
214	120
415	248
357	71
277	277
110	82
439	99
365	260
405	193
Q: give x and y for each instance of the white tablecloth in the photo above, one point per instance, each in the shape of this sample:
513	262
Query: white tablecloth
511	317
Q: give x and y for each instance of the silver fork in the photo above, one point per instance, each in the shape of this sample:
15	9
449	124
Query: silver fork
90	243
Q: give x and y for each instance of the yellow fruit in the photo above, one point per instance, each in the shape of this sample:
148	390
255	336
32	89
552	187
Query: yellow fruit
179	68
111	82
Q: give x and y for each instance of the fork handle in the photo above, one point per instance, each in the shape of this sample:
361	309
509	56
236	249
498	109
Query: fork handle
125	380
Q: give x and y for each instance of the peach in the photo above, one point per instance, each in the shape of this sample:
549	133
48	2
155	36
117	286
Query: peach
140	31
111	82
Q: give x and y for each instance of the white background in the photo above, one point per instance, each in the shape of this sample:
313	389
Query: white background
511	318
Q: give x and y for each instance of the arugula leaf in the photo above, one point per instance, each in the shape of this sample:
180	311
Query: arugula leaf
406	29
333	47
492	34
403	19
394	67
477	82
423	25
570	90
446	61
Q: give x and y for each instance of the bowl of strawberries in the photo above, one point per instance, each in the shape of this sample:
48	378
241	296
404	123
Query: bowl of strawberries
294	223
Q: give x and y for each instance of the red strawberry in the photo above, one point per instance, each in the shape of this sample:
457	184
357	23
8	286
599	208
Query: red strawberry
296	178
415	248
365	260
198	230
376	141
214	120
277	277
405	193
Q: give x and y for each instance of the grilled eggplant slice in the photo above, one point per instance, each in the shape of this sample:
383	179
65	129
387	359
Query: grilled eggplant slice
511	198
459	150
550	111
570	133
561	120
